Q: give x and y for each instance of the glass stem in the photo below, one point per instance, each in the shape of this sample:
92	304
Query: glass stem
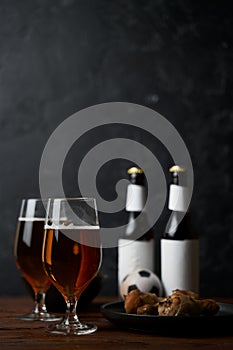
42	303
36	304
71	315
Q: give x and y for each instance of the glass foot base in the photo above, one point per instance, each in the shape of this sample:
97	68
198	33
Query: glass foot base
71	329
33	316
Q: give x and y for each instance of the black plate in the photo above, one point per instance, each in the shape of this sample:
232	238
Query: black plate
219	324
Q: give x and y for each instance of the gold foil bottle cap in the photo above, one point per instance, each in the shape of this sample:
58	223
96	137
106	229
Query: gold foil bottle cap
135	170
177	169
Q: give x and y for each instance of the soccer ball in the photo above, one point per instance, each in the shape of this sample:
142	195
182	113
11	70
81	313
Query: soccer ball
144	280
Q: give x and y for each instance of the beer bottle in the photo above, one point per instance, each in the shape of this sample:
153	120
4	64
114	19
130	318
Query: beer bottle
135	251
179	243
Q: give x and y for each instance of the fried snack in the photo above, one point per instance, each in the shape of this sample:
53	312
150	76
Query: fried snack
149	298
179	303
186	303
135	298
208	306
148	309
189	293
132	301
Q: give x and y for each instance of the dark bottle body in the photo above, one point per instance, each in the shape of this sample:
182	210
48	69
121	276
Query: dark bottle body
179	244
179	227
134	227
136	247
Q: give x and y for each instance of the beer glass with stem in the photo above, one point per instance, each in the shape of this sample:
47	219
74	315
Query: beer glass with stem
28	252
71	256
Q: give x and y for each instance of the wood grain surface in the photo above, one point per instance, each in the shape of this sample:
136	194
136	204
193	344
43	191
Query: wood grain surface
16	334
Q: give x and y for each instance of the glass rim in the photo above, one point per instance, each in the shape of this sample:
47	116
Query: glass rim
49	201
60	198
24	216
34	199
72	198
67	201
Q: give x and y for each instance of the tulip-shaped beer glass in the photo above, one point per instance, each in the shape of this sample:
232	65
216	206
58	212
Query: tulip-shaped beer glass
71	255
28	252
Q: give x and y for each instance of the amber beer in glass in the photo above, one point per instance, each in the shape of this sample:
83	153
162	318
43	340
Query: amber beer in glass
71	264
28	255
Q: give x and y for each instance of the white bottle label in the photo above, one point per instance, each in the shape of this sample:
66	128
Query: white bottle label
178	198
133	255
135	198
179	265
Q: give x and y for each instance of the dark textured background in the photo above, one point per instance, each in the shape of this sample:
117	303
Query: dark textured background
176	57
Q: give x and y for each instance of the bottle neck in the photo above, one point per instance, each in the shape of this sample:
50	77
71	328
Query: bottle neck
133	215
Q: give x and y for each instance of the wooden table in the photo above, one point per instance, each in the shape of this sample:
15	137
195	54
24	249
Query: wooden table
16	334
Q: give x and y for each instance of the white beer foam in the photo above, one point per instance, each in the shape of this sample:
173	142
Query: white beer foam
70	227
30	219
